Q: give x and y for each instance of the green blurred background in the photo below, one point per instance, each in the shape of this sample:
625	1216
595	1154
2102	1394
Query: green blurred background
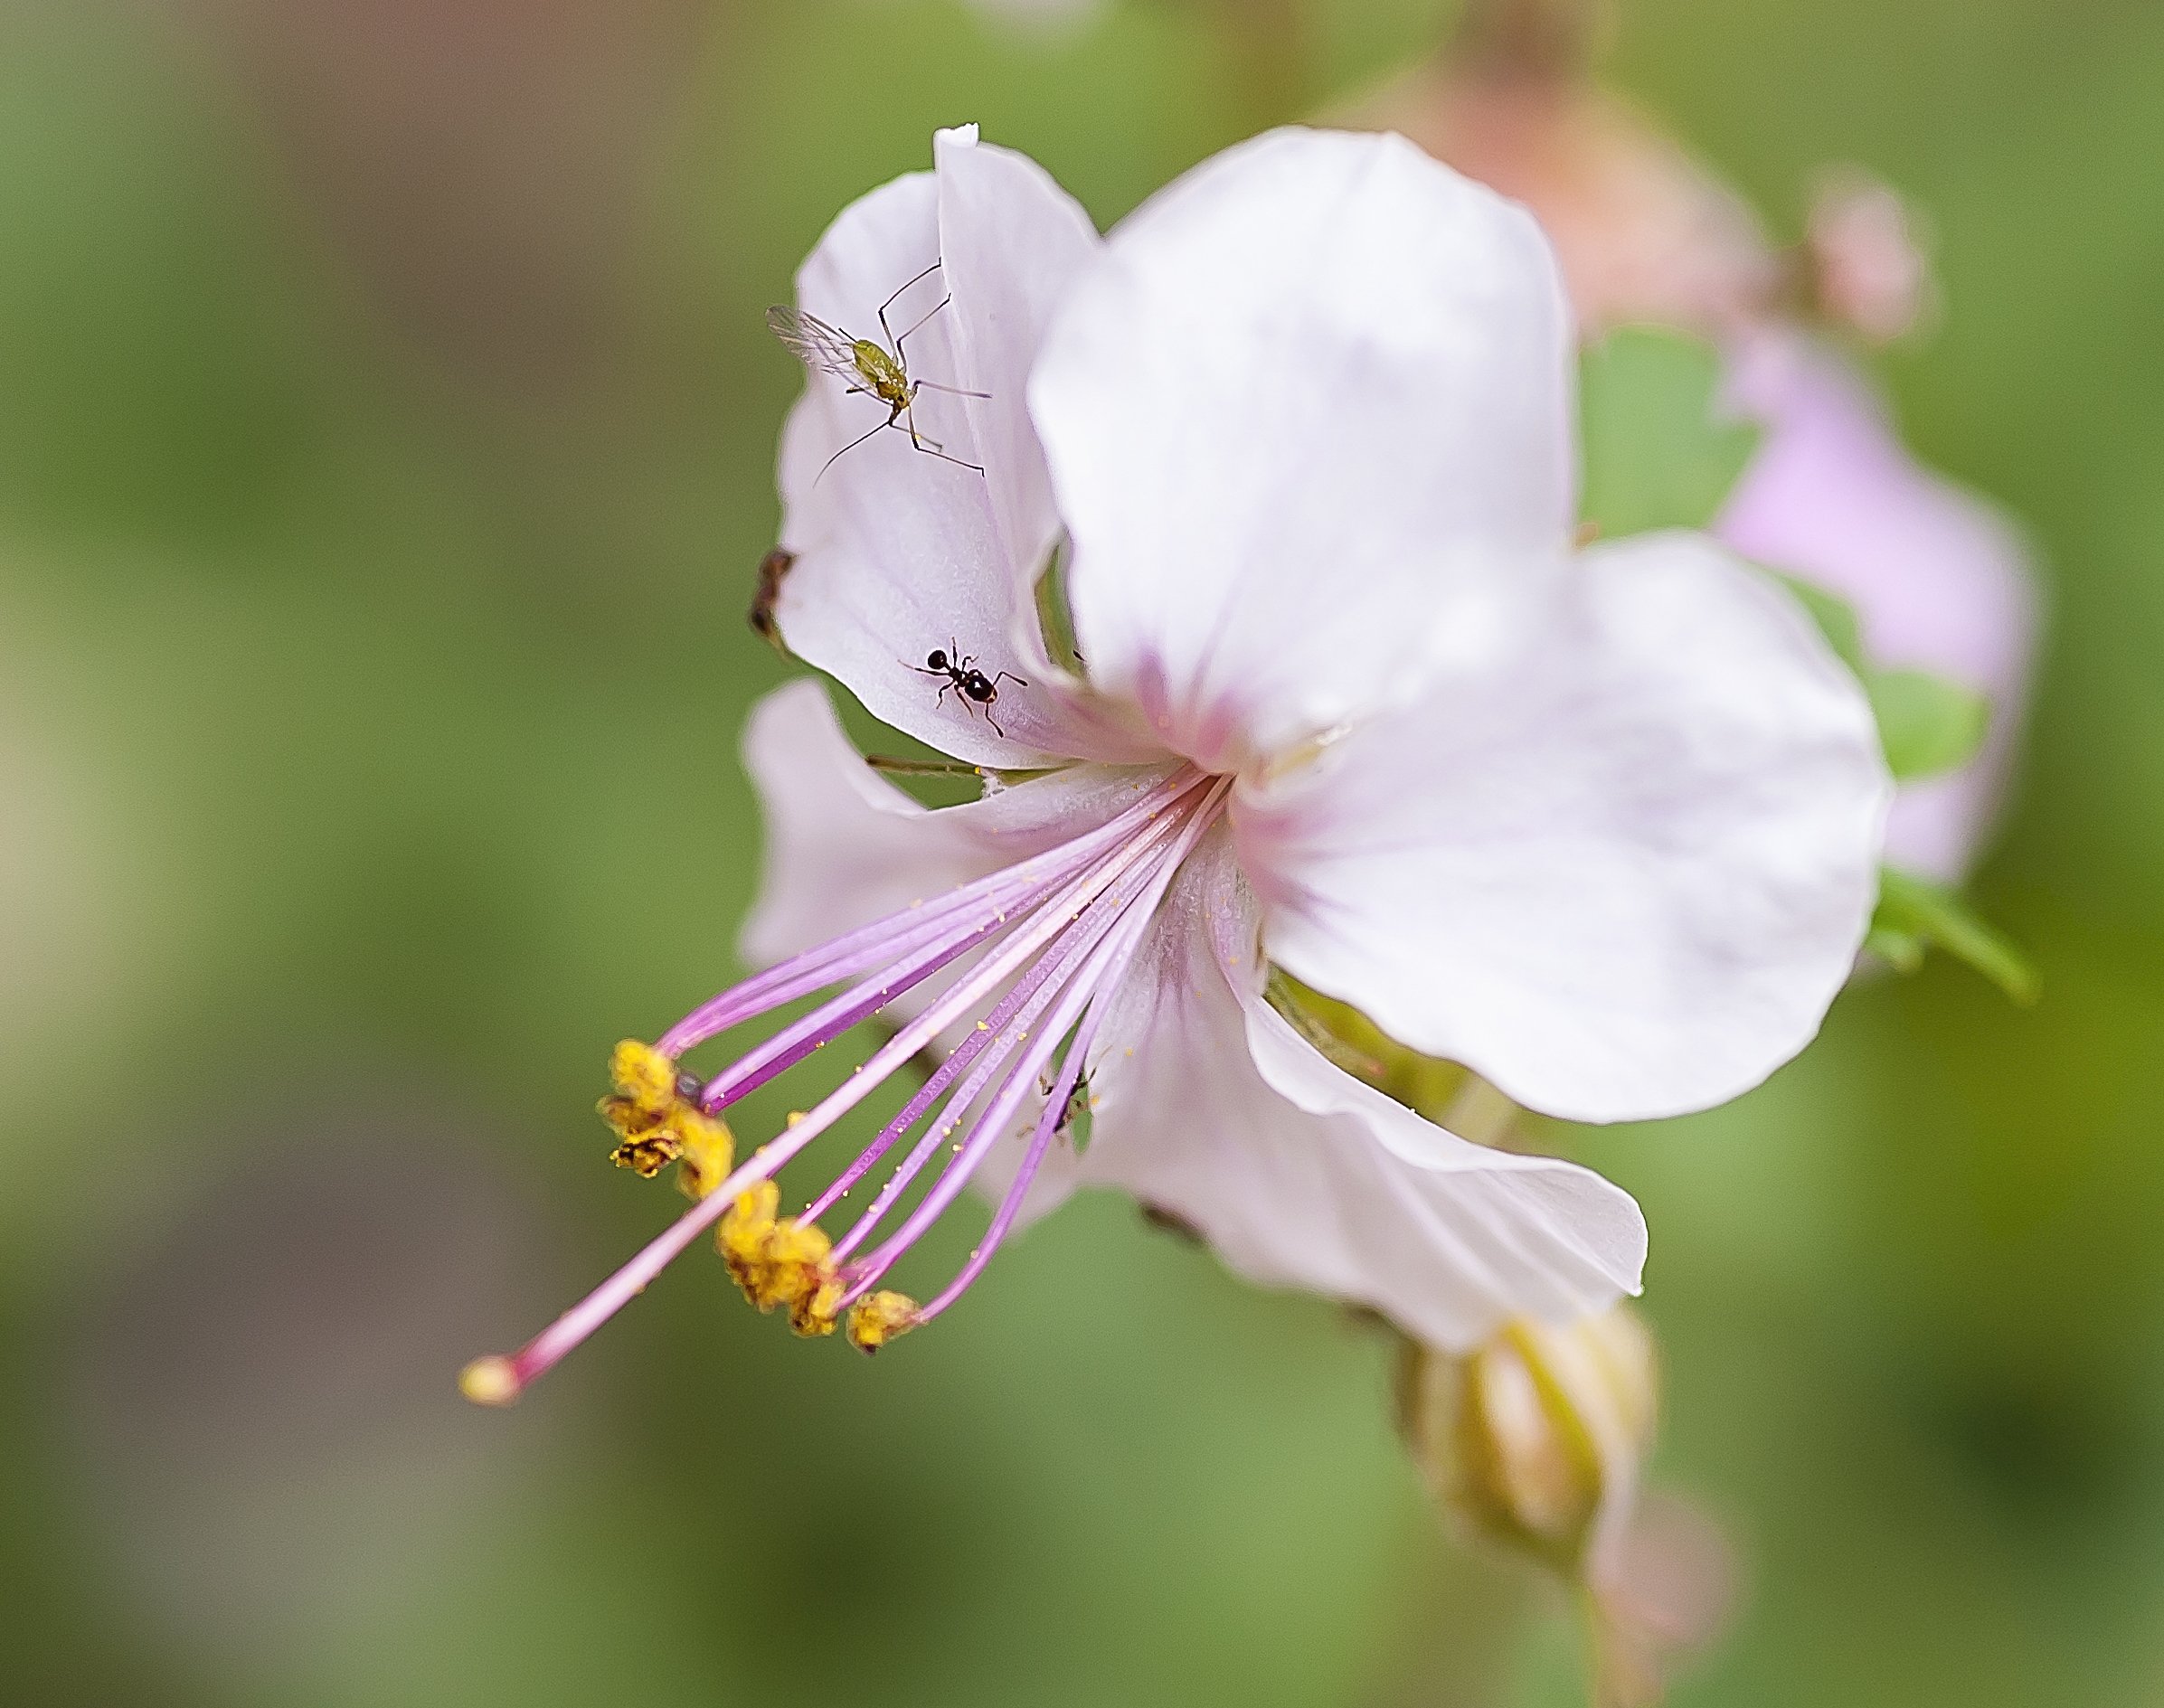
386	424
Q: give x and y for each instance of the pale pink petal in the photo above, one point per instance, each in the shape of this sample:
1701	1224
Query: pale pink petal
845	847
1938	578
1210	1107
1621	877
898	553
1308	419
1011	242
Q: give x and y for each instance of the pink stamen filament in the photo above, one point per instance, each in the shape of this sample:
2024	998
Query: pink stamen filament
827	1022
874	945
1072	925
967	1154
996	1037
996	908
1040	1141
1078	1007
973	1045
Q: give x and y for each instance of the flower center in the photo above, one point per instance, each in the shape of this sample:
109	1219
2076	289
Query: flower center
1051	938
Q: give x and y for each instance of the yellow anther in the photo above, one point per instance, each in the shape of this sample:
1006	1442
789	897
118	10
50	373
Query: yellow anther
879	1318
658	1125
820	1310
798	1263
744	1235
777	1262
646	1078
708	1151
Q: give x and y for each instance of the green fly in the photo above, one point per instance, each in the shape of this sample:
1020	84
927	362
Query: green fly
878	371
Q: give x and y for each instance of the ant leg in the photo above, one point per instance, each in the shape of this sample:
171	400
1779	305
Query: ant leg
894	344
1008	676
994	722
942	699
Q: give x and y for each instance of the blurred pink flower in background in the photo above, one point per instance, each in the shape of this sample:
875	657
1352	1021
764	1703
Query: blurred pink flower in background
1868	270
1643	233
1938	576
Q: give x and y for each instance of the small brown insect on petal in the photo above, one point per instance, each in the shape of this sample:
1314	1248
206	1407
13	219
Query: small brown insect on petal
772	568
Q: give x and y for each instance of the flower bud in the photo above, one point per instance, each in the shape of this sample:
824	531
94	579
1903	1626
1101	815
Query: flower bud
1535	1440
1868	268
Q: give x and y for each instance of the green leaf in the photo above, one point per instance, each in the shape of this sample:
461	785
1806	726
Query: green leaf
1055	619
1659	454
1926	723
1835	616
1914	915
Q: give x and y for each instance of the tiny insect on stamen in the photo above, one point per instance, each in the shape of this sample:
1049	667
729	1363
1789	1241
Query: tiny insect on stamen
658	1121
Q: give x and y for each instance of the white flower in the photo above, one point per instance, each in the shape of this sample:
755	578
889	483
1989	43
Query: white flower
1603	828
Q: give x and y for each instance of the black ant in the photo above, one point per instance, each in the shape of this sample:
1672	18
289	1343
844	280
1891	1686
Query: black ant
961	674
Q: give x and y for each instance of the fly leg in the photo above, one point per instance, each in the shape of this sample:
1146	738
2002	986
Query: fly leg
893	343
951	391
922	322
931	447
851	446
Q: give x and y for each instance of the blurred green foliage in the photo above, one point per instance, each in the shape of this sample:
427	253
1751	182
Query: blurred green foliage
386	422
1658	451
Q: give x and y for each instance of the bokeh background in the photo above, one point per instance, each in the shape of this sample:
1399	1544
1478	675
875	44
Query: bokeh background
386	435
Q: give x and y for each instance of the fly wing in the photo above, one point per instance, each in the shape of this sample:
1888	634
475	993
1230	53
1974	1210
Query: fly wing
822	348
